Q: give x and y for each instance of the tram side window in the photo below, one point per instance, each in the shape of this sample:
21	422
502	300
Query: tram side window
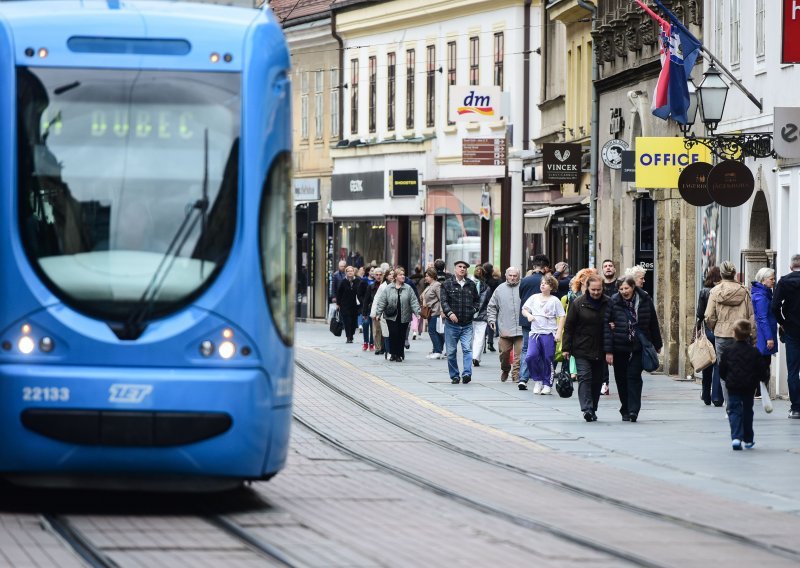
277	245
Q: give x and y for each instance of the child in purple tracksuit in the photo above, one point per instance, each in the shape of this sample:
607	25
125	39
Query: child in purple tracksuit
546	315
742	366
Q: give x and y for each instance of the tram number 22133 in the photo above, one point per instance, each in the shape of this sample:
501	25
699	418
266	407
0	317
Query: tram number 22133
52	394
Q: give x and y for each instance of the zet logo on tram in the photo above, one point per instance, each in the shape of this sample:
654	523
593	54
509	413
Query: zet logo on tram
130	394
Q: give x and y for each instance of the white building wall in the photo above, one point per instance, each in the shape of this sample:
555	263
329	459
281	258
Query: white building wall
773	83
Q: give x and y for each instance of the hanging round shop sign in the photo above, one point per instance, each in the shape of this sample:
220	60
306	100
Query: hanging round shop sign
693	184
731	183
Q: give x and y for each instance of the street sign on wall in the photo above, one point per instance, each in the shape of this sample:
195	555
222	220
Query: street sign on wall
790	52
483	152
660	160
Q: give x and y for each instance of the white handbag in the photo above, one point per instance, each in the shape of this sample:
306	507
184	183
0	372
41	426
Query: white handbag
440	325
701	351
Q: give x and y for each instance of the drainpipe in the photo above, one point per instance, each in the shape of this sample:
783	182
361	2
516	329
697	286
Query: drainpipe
339	40
593	148
526	77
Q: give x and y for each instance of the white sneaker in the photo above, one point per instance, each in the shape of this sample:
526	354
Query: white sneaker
537	387
604	389
442	356
546	390
432	356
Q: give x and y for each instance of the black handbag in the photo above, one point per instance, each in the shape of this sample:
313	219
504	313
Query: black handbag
650	360
564	386
337	326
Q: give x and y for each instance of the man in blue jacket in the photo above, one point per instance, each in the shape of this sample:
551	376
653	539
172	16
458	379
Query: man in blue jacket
786	307
460	301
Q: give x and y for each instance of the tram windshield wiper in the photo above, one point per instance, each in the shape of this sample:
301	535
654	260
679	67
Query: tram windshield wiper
135	324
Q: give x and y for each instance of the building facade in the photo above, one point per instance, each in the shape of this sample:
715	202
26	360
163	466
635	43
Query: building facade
652	227
747	39
316	83
400	59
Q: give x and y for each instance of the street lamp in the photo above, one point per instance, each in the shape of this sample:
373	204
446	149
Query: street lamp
691	112
712	93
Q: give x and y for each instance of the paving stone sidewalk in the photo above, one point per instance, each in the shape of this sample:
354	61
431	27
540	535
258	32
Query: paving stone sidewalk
677	439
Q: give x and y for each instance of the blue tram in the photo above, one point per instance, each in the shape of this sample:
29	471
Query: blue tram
146	262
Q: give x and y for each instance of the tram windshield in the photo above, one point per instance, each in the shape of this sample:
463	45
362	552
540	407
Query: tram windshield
127	183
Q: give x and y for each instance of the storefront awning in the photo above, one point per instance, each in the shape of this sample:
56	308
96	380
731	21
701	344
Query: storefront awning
536	221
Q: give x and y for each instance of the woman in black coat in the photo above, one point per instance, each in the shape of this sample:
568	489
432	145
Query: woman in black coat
631	312
584	339
347	301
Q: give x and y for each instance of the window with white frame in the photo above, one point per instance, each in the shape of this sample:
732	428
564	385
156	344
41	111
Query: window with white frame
499	51
760	31
373	94
719	30
474	61
430	86
411	64
335	85
354	96
735	18
304	117
318	111
451	74
391	89
304	77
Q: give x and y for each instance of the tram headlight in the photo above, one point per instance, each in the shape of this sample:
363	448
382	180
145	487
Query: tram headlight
206	348
46	344
227	349
26	345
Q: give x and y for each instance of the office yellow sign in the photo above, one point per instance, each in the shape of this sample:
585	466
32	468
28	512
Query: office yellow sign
660	161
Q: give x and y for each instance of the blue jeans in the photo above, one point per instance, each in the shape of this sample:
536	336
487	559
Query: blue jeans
436	338
793	369
453	335
740	416
366	327
524	373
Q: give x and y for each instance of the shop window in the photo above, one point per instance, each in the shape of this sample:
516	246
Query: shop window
462	239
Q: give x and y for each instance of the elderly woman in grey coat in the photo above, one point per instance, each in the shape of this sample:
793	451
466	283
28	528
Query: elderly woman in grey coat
396	305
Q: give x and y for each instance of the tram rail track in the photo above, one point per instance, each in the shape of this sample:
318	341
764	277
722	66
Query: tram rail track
95	557
543	479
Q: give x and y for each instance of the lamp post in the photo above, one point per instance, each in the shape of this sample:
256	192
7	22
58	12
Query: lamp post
712	93
710	97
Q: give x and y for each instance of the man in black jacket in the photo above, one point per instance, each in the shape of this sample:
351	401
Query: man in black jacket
492	283
460	301
584	339
786	307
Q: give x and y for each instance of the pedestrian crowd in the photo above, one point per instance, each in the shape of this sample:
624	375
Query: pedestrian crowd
588	321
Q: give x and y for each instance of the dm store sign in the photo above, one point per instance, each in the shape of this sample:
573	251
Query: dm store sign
660	160
474	103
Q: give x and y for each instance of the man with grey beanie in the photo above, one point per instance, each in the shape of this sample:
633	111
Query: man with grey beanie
728	302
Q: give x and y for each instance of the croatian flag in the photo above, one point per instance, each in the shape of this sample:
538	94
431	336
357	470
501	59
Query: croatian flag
679	51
